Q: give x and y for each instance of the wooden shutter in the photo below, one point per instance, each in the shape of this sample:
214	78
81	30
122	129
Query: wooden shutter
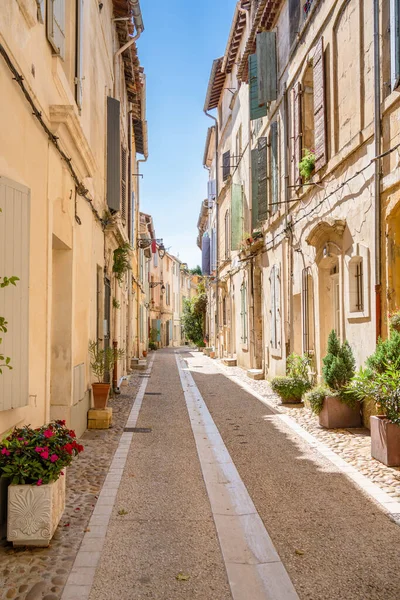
273	307
319	106
226	165
274	167
254	188
256	111
278	317
394	43
123	182
262	185
79	52
237	216
56	25
211	190
266	67
297	134
205	254
113	154
14	301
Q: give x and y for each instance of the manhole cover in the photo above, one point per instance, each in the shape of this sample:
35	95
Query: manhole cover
137	429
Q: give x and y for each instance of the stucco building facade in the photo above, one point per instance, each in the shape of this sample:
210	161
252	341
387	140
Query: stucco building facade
296	258
72	113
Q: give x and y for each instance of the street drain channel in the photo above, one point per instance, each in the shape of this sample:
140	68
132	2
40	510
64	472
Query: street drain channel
138	430
152	394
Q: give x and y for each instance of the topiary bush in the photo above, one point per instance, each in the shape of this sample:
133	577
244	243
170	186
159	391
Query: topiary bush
339	364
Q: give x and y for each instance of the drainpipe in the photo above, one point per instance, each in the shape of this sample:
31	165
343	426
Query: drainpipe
137	19
289	332
216	230
377	190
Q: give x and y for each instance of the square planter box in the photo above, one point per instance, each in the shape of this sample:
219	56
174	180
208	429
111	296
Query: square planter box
34	512
385	441
337	415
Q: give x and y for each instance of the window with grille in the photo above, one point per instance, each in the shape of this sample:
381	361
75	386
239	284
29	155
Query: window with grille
243	312
123	182
226	165
356	274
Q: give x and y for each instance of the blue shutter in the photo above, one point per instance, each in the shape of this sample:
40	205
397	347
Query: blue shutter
262	185
237	216
113	154
266	65
394	43
205	255
256	112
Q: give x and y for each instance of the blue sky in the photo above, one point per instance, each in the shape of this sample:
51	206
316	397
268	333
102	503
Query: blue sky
180	41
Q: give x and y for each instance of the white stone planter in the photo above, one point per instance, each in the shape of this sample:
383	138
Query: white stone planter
34	512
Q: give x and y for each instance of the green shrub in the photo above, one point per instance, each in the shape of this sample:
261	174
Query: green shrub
290	388
387	353
297	366
153	346
315	398
339	364
383	388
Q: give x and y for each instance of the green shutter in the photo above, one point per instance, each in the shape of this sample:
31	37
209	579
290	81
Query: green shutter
262	186
237	216
274	168
256	111
266	67
254	188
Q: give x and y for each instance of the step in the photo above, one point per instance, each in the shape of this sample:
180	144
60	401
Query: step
229	362
255	374
140	365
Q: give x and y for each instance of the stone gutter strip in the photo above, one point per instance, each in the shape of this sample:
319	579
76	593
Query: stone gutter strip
385	501
80	580
253	566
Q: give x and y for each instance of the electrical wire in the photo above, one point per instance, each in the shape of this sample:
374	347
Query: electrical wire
80	188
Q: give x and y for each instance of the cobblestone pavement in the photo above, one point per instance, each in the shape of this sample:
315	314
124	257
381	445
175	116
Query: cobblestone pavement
40	573
353	445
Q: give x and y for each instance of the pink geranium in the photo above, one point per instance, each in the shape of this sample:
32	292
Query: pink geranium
48	433
6	452
45	454
39	482
53	457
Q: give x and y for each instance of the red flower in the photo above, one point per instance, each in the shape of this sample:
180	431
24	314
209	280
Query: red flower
72	433
48	433
38	449
45	454
39	482
68	448
6	452
53	457
61	422
62	473
80	448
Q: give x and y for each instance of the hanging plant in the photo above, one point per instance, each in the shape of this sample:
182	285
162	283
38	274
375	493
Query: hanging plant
307	164
122	261
116	304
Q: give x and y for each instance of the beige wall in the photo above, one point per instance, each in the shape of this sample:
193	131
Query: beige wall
66	257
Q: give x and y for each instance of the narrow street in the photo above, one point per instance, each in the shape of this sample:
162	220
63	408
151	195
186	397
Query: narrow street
258	514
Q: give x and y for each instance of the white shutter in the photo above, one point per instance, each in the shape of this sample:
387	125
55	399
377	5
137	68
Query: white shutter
394	43
79	53
278	306
14	301
56	25
273	307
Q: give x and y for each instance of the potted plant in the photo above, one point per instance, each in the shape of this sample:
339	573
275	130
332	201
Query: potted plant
297	381
307	164
35	460
380	382
102	361
145	353
152	346
340	408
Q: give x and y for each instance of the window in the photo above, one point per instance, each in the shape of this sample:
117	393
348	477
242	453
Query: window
394	43
227	235
307	311
123	182
224	319
243	312
56	26
308	108
358	283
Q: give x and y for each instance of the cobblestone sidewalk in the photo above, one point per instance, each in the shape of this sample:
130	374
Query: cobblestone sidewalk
41	573
353	445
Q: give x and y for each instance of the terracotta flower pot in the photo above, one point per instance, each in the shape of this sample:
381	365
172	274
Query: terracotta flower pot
100	394
337	415
385	441
145	353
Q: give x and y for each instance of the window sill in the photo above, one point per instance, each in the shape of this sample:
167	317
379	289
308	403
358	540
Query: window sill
358	316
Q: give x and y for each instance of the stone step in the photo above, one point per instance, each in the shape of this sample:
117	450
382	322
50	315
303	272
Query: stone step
255	374
229	362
